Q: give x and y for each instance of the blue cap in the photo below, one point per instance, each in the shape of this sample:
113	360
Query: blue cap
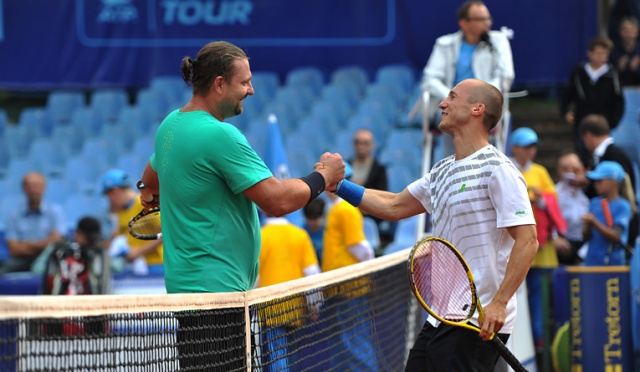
607	170
114	178
523	137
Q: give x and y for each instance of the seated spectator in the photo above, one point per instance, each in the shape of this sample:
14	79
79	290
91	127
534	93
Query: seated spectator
593	88
574	204
34	225
314	224
626	52
140	256
369	173
606	226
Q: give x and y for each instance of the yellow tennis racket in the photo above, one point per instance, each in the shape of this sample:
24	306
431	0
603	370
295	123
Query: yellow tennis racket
443	284
146	225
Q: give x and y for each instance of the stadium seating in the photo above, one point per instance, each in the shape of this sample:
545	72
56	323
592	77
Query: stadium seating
405	235
371	232
35	121
108	102
61	104
311	77
401	76
352	75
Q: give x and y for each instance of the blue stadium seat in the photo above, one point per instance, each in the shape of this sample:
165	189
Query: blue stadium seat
300	162
47	157
333	112
311	77
4	121
144	146
287	118
399	176
371	232
35	121
252	107
133	163
300	141
154	104
318	129
172	88
16	170
104	150
80	205
400	138
405	235
107	102
61	104
342	92
58	190
381	108
265	84
5	159
402	76
343	143
386	92
135	119
88	121
8	203
83	174
18	141
298	98
355	75
69	138
407	158
378	125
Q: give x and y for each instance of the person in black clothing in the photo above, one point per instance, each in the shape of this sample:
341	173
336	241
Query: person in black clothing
626	52
595	133
593	88
369	173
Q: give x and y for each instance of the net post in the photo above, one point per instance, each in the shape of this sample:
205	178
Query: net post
247	330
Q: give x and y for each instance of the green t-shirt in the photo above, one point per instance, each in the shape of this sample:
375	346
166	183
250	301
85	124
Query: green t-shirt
211	230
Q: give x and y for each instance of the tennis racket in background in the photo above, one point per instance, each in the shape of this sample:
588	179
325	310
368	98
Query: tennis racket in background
443	284
146	225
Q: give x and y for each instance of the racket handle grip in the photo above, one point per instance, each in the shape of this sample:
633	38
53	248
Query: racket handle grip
507	355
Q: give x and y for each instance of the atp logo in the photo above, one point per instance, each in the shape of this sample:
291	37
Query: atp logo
117	11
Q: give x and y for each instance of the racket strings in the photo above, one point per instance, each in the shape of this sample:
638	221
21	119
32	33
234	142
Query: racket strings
147	225
442	281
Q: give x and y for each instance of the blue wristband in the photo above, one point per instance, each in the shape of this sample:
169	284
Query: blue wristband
351	192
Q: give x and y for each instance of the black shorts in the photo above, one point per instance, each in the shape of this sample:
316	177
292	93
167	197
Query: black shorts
451	348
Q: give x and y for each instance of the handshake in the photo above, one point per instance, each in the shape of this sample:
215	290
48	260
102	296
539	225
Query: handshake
332	168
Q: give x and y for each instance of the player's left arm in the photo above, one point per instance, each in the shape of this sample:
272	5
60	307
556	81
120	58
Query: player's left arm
522	254
151	187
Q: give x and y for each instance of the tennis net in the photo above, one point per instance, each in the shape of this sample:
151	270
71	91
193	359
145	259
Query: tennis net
359	318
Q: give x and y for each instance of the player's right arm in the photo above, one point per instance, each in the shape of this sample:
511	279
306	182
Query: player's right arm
390	206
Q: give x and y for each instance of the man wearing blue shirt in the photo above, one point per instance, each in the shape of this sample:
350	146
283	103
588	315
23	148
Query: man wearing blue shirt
32	226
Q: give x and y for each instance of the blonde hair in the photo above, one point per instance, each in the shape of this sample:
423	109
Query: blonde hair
626	191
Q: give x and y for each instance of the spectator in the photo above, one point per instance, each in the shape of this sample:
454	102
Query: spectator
34	225
598	141
473	52
593	88
574	204
626	53
314	224
286	254
345	244
369	173
607	224
544	202
141	256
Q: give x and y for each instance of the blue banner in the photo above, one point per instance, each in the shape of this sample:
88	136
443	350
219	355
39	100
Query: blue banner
600	319
94	43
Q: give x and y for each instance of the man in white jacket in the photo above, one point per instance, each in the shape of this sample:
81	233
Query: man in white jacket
473	52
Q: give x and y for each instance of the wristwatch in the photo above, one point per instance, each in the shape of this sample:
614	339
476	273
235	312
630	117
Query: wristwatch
140	185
